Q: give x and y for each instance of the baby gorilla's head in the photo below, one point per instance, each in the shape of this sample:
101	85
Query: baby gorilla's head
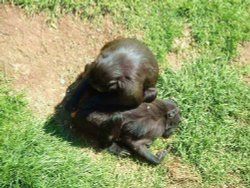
173	117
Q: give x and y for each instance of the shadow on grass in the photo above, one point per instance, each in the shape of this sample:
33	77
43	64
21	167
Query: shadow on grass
60	125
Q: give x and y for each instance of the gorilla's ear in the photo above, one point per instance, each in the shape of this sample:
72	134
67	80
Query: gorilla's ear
114	85
88	67
172	113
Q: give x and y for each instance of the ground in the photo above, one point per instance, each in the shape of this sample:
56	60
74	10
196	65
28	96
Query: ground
244	59
43	59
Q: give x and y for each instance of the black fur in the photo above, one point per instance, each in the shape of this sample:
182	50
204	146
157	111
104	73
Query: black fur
122	77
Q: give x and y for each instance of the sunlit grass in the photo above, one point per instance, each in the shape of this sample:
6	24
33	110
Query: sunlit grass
215	102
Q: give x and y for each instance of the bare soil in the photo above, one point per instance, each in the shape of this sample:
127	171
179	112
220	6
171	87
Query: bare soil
243	60
183	49
43	60
244	57
182	175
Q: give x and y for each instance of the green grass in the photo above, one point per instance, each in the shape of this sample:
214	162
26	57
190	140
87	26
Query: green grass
30	157
215	102
216	110
218	25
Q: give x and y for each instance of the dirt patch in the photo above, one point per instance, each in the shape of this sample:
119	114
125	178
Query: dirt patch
182	175
244	57
183	49
43	60
243	60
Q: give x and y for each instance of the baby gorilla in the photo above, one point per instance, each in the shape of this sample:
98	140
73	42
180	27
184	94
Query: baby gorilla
136	129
